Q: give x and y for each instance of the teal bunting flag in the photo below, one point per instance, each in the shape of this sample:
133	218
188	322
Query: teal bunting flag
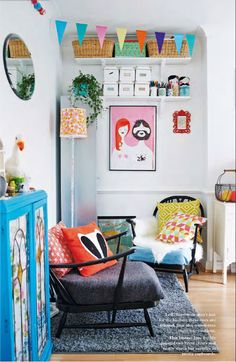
81	30
190	40
61	27
178	41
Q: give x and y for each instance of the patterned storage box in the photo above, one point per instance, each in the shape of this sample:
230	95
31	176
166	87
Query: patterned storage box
130	49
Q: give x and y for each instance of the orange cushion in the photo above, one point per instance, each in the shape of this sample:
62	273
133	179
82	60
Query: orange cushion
87	243
58	252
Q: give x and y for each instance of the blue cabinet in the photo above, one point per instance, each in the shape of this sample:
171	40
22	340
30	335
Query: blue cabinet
24	278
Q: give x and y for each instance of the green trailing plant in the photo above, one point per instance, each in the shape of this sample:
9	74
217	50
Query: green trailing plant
86	89
25	87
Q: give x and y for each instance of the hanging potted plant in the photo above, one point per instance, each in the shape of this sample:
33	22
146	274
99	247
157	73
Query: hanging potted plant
25	87
87	89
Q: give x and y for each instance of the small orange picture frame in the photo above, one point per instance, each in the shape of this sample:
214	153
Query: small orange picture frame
181	120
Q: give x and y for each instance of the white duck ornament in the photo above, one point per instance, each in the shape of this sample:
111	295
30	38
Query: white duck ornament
13	164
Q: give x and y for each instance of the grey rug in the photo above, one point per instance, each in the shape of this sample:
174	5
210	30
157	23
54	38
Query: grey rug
176	324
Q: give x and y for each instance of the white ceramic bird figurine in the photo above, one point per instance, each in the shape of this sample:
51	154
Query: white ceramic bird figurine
13	164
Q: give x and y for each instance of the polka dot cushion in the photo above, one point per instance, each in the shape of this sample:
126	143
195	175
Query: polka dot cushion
58	251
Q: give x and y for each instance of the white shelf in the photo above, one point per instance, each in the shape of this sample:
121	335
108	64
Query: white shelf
19	61
145	99
131	61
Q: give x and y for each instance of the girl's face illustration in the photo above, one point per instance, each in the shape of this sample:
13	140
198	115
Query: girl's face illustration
123	130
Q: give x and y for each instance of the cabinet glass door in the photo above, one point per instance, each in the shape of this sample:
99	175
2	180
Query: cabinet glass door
19	252
42	328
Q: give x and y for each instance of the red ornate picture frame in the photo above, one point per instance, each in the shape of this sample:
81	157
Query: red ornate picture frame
181	120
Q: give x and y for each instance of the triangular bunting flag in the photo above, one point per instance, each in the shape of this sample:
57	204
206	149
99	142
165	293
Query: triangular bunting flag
81	30
121	33
160	39
101	32
190	40
61	27
141	36
178	41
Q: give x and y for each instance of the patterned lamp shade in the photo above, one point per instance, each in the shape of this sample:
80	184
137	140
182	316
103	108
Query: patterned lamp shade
73	123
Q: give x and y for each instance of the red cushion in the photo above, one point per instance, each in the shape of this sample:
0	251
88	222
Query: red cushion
58	250
87	243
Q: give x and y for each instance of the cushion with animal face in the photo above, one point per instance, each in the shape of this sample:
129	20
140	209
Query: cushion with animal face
87	243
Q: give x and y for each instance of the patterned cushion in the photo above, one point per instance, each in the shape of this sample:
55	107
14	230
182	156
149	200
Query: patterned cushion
167	210
87	243
58	251
181	227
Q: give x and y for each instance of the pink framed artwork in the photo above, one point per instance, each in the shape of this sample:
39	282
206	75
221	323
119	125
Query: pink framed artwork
132	138
181	122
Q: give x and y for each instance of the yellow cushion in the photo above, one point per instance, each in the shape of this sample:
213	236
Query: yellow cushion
166	211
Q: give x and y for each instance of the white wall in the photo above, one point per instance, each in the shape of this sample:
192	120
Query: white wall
205	152
179	157
34	119
186	164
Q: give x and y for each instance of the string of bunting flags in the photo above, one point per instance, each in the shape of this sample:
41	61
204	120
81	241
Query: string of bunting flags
101	31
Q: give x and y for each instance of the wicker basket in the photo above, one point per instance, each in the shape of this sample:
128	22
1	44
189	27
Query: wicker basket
168	49
91	49
225	192
18	49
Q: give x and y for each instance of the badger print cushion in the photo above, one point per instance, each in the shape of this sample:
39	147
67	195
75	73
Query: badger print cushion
87	243
180	228
57	250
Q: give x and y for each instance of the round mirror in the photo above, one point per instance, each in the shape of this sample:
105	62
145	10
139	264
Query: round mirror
19	67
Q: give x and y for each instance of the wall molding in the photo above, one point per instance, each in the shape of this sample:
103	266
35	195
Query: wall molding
149	192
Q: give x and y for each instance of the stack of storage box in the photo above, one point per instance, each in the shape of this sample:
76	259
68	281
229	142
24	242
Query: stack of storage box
127	81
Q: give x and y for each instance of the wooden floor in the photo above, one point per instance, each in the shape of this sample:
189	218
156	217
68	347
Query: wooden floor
209	296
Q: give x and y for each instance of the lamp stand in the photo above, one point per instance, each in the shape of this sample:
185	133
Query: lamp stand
72	189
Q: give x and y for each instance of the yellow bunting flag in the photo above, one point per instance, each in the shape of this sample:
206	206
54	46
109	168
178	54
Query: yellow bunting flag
121	33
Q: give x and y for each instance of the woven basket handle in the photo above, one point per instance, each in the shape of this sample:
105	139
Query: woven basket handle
226	170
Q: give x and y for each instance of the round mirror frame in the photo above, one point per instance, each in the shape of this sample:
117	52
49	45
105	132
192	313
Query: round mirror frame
5	50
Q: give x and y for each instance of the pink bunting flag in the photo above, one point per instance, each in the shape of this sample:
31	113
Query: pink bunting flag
101	32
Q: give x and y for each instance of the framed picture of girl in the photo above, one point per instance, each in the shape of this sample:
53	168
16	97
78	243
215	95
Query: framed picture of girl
132	138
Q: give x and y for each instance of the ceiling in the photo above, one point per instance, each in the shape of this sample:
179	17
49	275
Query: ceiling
151	15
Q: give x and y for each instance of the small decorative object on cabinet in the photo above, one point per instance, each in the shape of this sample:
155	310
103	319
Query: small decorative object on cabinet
184	86
173	83
226	192
224	235
181	120
24	277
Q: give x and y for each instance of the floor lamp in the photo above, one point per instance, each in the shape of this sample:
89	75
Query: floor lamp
73	125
